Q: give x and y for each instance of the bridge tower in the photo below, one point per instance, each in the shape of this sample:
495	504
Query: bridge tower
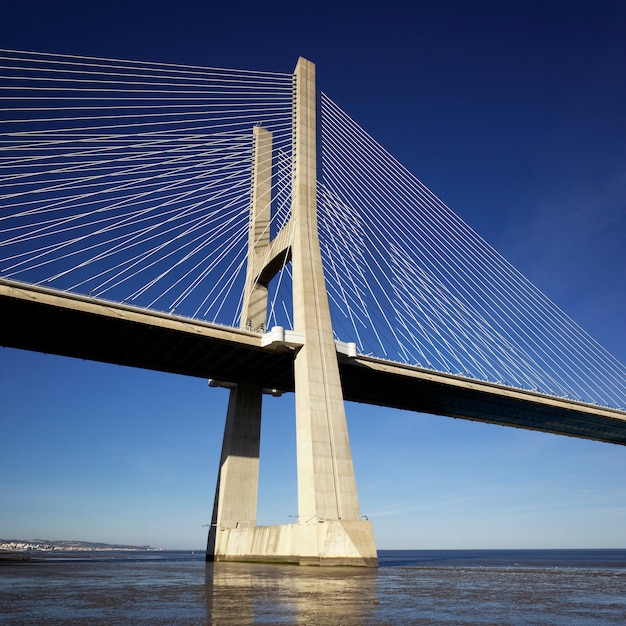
329	530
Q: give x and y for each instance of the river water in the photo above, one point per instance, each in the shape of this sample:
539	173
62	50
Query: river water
574	587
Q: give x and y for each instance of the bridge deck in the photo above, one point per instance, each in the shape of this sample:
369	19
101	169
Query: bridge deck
43	320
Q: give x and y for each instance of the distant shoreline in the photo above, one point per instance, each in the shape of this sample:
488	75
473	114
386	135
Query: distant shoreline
57	545
34	557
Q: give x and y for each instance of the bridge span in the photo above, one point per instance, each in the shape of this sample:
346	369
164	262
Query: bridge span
56	322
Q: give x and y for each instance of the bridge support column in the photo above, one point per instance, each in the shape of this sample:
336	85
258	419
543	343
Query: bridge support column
236	494
235	504
327	495
330	530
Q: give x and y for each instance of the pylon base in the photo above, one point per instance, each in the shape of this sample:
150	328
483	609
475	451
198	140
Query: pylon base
322	543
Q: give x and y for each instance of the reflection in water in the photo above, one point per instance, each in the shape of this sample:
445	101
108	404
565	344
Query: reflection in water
241	593
177	589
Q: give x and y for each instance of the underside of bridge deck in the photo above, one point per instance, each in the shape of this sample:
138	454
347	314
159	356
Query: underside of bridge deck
113	339
36	319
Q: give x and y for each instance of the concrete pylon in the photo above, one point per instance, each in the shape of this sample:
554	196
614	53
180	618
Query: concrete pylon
330	530
235	504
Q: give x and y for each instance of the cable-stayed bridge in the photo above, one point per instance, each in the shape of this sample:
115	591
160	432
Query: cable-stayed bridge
172	217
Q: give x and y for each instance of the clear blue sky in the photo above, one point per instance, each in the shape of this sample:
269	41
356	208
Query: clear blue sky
514	114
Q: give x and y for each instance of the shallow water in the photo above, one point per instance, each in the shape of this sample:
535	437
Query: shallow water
408	588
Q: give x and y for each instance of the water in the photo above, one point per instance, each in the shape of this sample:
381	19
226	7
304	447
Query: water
573	587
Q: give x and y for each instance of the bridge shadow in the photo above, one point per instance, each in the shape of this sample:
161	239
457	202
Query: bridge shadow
250	593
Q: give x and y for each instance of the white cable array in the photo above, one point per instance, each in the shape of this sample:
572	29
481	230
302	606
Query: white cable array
131	180
410	281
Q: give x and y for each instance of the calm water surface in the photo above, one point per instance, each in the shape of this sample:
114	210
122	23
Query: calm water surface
411	587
